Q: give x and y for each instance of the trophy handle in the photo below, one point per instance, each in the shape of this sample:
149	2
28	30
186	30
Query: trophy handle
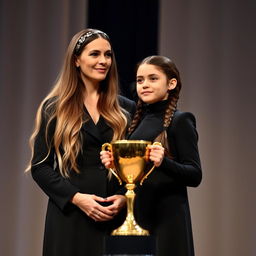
152	169
108	147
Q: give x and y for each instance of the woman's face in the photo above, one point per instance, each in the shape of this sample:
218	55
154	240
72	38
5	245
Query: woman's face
95	61
152	84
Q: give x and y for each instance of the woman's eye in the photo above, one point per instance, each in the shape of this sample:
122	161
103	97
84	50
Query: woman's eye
153	78
94	54
109	54
139	80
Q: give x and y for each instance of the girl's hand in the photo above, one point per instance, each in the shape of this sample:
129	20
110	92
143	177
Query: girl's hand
156	154
90	205
107	159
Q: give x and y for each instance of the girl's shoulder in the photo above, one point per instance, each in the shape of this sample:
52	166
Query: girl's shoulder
178	114
180	118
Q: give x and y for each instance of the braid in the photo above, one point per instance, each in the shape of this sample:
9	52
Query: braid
169	112
137	117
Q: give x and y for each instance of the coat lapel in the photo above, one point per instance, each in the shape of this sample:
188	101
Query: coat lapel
91	128
100	131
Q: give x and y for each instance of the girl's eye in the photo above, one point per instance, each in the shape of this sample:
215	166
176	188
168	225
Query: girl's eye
153	78
139	80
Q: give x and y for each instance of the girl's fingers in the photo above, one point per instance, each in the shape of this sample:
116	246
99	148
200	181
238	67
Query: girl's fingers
156	154
106	158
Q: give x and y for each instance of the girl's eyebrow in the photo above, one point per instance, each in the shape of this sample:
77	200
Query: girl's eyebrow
149	75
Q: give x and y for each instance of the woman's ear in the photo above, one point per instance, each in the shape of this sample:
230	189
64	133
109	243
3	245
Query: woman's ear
77	62
172	84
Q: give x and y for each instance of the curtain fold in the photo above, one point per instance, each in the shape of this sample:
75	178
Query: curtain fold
213	45
33	38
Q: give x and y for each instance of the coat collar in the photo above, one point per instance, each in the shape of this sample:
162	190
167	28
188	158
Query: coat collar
96	130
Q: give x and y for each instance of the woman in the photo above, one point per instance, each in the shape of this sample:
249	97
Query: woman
82	111
161	204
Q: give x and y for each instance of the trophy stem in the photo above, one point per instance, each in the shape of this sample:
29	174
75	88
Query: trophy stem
130	227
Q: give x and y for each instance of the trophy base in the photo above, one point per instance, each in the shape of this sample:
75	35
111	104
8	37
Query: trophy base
129	246
130	228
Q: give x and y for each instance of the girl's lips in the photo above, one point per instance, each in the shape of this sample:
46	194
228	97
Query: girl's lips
146	93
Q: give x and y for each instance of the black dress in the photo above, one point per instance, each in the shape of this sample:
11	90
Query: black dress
161	203
68	230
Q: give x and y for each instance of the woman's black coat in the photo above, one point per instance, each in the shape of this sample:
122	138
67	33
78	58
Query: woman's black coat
161	203
68	230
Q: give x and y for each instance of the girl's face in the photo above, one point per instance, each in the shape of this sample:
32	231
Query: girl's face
152	84
95	61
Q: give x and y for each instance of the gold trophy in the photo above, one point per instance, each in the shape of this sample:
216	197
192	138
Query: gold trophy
130	159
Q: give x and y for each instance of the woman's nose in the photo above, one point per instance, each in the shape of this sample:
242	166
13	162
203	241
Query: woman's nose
102	59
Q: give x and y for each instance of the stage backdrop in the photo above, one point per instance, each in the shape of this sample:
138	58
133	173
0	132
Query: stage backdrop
213	45
33	37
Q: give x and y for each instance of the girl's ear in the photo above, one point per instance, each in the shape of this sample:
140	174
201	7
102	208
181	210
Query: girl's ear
172	84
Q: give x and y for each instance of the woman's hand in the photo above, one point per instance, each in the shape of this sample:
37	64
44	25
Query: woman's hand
107	159
90	204
156	154
118	203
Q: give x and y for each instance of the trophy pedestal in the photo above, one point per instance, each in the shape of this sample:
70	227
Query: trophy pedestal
130	245
130	227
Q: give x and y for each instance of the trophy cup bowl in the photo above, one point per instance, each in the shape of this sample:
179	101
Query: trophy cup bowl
130	160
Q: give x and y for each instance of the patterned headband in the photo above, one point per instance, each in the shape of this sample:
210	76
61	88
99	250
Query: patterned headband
81	40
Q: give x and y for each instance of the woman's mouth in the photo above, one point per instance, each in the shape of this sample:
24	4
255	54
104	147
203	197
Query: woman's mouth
101	70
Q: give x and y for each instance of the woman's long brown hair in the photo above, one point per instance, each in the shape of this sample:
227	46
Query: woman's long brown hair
65	104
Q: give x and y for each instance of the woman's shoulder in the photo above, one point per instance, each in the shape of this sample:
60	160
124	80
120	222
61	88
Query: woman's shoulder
48	107
127	104
49	104
124	100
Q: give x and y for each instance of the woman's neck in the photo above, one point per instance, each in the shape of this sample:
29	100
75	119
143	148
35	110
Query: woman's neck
91	86
91	97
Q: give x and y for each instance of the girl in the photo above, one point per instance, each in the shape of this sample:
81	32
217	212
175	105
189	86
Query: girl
161	203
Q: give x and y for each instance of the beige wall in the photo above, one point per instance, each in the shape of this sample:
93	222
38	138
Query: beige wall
33	38
213	44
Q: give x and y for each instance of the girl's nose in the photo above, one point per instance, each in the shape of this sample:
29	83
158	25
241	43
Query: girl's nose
145	84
